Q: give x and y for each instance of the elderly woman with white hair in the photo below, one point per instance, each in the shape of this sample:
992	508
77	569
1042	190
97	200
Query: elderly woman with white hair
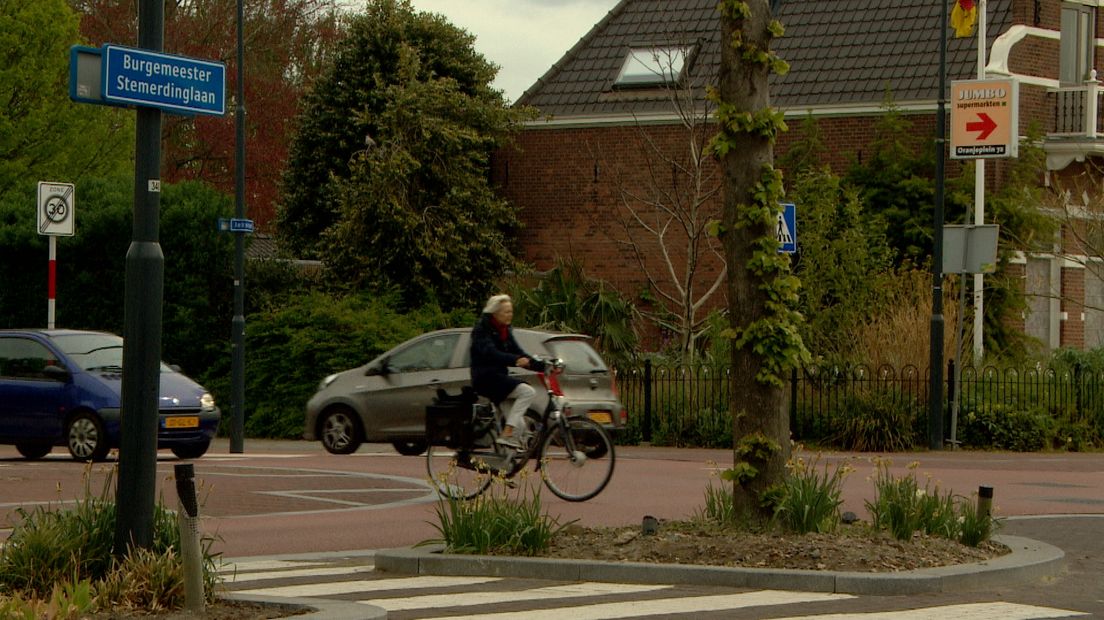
493	351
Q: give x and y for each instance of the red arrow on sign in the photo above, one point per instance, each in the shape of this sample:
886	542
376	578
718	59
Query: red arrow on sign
986	126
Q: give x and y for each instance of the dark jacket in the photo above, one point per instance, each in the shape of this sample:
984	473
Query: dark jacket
491	358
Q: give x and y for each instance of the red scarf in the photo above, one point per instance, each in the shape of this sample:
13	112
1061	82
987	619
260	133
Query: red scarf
503	329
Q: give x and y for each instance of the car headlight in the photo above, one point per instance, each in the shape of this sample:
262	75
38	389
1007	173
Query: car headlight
207	401
326	382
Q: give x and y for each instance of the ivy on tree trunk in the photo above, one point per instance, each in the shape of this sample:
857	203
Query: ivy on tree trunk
762	292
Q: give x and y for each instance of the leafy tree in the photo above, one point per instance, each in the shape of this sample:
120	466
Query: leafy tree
807	149
1019	206
844	260
761	291
387	179
896	180
44	135
565	299
285	42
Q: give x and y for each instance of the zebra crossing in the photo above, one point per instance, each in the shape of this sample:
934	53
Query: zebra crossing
497	598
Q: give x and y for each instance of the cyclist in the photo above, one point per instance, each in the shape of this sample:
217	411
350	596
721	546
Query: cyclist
493	351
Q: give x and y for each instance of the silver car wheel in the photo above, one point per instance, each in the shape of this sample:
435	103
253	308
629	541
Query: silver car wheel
85	442
339	433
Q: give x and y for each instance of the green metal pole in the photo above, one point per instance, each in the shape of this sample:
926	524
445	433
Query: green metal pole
935	394
145	276
237	363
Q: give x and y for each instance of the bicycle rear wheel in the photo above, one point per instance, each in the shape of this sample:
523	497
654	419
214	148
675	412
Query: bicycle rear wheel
567	470
457	474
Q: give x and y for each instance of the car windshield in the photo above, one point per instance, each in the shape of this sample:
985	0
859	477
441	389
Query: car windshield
578	355
95	351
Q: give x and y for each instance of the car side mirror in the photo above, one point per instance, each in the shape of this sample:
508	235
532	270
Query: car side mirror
383	368
176	368
57	373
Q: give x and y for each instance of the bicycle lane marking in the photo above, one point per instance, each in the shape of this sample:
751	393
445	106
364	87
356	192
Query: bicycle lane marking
368	585
970	611
652	607
548	593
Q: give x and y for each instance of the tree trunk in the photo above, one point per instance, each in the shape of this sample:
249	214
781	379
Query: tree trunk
758	408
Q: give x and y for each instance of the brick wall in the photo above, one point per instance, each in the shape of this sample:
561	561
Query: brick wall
573	188
1073	307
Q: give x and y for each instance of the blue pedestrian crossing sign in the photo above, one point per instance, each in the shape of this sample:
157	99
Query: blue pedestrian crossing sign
787	229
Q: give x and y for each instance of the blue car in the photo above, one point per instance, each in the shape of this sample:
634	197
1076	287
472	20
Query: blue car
63	387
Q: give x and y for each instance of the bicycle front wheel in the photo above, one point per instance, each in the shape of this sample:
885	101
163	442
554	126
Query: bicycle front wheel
576	467
457	474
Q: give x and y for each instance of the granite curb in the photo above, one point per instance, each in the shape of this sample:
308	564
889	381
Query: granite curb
1029	560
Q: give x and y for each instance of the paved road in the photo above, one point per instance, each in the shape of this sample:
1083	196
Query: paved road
351	580
290	497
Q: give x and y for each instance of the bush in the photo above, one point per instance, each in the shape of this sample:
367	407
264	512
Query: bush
145	581
876	421
1004	427
496	522
974	527
291	347
809	500
699	428
903	508
719	506
66	556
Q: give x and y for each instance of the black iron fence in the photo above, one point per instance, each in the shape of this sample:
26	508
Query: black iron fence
689	404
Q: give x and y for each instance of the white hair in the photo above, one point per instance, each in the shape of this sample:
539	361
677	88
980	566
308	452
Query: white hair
495	302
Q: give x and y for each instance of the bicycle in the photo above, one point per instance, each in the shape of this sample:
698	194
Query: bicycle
573	454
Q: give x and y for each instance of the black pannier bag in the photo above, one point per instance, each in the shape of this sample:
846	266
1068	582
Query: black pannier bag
455	421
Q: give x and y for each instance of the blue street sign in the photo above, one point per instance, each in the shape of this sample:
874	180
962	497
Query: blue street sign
787	228
85	74
235	225
172	83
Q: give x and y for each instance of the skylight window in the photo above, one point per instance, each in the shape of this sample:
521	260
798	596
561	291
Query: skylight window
653	66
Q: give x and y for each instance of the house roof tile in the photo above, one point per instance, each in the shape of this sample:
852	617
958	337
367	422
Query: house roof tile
840	52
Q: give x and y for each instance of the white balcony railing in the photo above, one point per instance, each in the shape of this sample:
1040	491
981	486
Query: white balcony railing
1076	110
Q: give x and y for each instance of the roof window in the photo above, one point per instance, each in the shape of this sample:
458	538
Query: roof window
653	66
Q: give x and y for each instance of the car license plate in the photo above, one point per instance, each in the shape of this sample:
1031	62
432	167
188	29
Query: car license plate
601	417
182	422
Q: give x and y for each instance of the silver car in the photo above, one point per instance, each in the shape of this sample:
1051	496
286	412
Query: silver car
385	400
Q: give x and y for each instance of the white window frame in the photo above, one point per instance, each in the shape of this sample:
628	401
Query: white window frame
654	65
1078	43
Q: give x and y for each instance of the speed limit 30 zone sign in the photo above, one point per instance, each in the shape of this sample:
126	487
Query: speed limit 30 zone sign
55	209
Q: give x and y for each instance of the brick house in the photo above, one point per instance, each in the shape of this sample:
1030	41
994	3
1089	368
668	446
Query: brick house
608	102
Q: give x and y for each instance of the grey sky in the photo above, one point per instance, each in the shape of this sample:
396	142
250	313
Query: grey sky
523	37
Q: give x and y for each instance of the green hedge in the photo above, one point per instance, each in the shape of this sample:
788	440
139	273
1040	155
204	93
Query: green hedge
290	348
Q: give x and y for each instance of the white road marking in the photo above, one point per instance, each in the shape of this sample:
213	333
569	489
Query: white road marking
484	598
251	565
656	607
237	457
374	585
329	571
970	611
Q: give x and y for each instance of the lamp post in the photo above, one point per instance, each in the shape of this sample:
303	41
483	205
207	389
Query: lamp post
237	364
142	305
935	391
